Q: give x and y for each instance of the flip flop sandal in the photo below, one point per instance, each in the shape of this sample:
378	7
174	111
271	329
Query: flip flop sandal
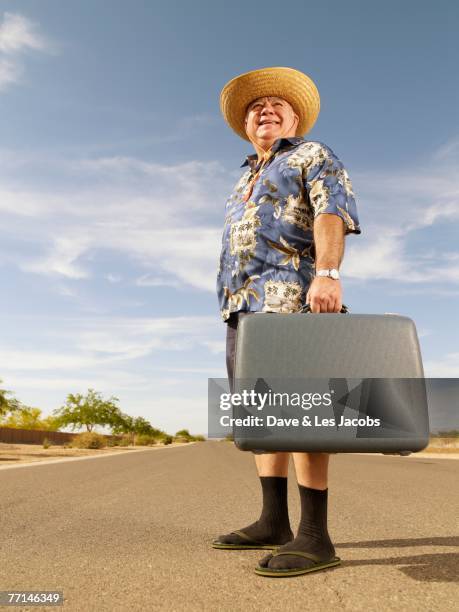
280	573
250	543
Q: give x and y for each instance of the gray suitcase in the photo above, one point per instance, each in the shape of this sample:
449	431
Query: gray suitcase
370	363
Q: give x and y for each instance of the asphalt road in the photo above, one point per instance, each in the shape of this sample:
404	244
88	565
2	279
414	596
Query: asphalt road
133	532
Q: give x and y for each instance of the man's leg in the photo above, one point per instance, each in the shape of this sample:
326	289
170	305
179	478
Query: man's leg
273	526
312	469
312	536
272	464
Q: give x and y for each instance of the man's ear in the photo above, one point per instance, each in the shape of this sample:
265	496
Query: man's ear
297	121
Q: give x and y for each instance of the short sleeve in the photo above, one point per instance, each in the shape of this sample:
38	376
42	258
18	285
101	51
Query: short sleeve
329	187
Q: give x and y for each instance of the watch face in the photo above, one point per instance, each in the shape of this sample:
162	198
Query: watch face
334	274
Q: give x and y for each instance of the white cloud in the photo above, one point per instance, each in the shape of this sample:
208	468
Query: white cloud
150	280
113	278
423	332
104	382
448	150
164	218
18	35
446	367
215	347
66	291
92	343
432	290
399	209
43	360
382	257
10	72
63	257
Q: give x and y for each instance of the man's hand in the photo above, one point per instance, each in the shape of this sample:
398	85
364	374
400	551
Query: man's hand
325	295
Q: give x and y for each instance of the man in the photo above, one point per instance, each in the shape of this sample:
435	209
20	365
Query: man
282	247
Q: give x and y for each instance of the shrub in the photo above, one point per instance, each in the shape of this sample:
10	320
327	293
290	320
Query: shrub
166	439
452	433
89	439
125	440
46	443
184	436
183	433
145	440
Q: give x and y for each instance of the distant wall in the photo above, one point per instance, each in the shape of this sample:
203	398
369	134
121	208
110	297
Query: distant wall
35	436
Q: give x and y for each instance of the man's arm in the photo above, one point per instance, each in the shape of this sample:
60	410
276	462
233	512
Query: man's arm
325	294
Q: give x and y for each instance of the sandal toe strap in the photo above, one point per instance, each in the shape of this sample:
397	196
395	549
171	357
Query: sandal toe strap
244	536
298	553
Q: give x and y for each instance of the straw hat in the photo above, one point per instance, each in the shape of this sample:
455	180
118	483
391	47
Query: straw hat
291	85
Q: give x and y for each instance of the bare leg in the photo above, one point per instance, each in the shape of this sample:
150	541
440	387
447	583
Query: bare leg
272	464
312	469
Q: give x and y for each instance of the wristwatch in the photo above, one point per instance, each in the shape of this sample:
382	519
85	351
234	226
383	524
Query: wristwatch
333	273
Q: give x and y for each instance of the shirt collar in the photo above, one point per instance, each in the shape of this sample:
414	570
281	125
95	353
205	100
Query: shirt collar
280	143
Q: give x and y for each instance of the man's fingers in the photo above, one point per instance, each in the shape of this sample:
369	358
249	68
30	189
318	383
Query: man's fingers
315	305
334	305
322	305
328	304
325	303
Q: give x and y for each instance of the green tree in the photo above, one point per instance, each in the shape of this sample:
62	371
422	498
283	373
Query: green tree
135	425
29	418
24	418
88	411
50	423
3	400
122	424
142	426
7	404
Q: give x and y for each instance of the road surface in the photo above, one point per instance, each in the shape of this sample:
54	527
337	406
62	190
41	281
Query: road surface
133	532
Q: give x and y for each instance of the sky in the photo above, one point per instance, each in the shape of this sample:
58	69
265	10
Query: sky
115	165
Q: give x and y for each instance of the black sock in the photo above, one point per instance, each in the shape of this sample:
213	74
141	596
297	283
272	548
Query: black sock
312	534
312	529
274	519
273	526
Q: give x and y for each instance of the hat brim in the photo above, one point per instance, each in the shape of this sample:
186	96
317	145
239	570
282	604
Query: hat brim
287	83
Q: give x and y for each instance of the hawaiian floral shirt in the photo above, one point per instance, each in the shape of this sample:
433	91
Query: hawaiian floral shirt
267	257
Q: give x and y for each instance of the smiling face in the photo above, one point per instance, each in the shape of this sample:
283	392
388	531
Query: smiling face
268	119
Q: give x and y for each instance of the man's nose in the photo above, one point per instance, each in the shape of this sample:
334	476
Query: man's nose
267	109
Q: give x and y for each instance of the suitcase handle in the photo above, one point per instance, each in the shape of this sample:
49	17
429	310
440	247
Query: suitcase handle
307	308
